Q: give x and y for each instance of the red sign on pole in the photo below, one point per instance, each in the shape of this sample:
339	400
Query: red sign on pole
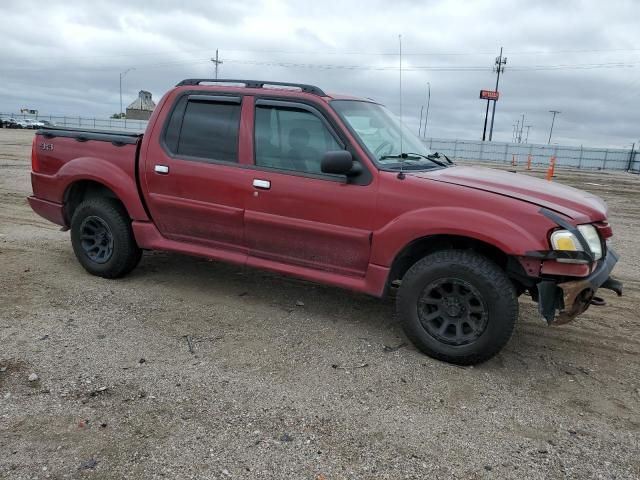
489	95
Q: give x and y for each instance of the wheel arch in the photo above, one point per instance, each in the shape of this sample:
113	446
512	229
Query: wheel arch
418	248
99	177
80	190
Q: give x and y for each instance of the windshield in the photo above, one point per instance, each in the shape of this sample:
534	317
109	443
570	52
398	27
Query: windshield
379	132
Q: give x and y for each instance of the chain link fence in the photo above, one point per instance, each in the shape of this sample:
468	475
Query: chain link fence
81	122
475	150
573	157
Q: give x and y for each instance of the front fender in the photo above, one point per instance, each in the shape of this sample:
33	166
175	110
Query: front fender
112	176
496	230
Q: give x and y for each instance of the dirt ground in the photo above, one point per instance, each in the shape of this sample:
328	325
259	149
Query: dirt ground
119	395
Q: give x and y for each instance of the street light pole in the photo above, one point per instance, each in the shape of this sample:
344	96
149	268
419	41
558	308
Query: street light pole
426	117
122	75
552	122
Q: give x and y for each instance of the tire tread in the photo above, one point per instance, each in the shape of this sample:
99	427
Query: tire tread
479	265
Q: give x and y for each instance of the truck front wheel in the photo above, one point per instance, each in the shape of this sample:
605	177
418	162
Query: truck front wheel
457	306
102	238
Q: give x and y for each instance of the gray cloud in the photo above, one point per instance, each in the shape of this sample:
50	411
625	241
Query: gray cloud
65	57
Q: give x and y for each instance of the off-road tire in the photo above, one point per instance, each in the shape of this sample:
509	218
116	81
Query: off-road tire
125	253
496	297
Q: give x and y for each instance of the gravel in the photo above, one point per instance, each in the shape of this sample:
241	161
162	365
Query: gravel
328	389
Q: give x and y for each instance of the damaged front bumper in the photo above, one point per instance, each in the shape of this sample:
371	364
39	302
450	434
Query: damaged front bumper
560	303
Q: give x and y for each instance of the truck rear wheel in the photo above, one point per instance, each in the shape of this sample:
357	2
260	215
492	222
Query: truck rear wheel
457	306
102	238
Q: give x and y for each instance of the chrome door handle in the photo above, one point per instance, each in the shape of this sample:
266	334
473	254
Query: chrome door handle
161	169
262	184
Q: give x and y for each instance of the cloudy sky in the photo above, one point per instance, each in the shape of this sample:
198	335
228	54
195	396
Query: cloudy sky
579	57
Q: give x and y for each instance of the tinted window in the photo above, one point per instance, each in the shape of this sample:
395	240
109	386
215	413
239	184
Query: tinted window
291	139
209	130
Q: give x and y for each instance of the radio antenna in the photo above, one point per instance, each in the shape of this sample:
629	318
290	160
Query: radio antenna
401	174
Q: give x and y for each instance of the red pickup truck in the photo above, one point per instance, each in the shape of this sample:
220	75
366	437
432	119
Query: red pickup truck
328	188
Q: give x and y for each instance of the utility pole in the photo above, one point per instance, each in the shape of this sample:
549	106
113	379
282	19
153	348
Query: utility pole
420	126
426	118
122	75
555	112
500	63
521	128
515	133
217	62
526	140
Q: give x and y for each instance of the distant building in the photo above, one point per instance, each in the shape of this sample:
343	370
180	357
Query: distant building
141	107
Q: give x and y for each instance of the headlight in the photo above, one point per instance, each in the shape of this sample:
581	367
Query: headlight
590	234
567	241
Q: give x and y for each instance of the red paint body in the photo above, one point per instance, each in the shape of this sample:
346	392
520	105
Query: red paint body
337	233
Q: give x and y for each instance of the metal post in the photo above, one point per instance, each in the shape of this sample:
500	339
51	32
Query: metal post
426	117
580	159
486	115
499	63
122	75
552	122
420	126
631	155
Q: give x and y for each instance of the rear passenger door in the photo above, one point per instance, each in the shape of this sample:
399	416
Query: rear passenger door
196	187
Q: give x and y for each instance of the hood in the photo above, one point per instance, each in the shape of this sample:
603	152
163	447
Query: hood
568	201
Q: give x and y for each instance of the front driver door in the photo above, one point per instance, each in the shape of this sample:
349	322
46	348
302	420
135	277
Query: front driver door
297	214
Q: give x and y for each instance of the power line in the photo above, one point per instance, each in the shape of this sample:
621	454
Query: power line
330	66
362	53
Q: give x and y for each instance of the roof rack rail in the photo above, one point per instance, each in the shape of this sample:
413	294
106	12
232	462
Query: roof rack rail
254	84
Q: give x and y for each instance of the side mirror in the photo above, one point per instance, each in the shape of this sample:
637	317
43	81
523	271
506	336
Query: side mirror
338	162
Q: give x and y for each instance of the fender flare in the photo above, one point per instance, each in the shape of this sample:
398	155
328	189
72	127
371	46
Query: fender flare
481	225
119	181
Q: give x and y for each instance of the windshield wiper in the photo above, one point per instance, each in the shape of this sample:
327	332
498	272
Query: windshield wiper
438	155
403	156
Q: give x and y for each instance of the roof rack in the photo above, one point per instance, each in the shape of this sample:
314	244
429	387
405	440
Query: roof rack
254	84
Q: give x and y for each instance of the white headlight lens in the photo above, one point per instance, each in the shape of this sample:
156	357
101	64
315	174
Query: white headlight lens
567	241
590	234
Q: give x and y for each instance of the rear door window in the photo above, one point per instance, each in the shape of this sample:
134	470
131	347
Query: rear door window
204	129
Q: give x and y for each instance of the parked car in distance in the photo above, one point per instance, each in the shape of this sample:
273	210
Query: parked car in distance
333	190
34	123
12	123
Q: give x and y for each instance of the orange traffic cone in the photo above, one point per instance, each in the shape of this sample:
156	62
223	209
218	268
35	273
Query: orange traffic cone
551	169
